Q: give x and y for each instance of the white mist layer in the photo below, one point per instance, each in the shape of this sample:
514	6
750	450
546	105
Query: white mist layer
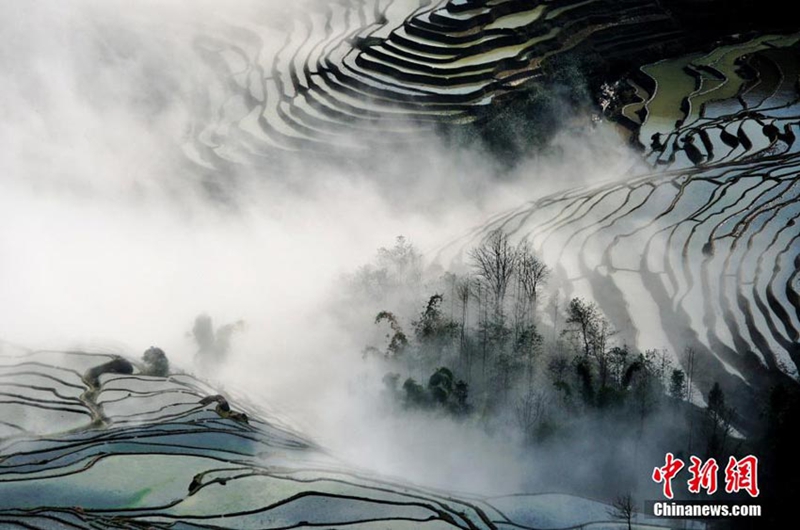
109	241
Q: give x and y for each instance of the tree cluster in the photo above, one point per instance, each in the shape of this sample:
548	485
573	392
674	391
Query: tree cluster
477	348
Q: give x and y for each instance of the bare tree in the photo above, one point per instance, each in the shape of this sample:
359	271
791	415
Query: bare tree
463	291
483	320
623	508
532	272
689	361
586	323
530	411
601	351
554	304
583	321
495	261
402	261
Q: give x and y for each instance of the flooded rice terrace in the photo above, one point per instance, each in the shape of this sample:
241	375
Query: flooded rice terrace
585	216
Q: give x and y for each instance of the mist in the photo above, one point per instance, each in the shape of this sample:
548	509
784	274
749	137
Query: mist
114	238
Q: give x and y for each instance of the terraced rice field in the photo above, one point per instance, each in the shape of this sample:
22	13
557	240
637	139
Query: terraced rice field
705	251
737	102
356	73
701	252
162	452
